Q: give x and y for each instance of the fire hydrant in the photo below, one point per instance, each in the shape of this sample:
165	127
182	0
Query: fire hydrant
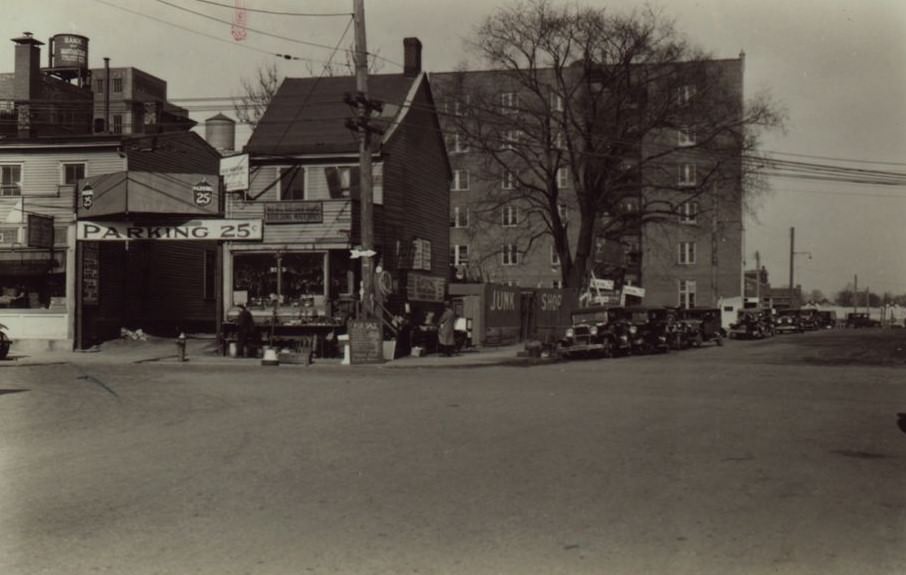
181	346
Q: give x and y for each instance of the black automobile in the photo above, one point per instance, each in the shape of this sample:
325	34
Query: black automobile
827	319
788	321
856	320
750	324
701	325
652	329
594	331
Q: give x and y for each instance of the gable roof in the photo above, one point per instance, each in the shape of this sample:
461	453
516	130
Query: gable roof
308	115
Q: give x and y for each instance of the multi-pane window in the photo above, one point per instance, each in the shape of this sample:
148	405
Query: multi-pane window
72	173
456	106
99	85
460	217
686	137
562	178
460	181
509	180
556	102
509	216
292	183
456	143
117	124
117	84
459	255
563	211
510	139
685	94
555	256
558	140
687	293
10	180
688	212
509	255
686	253
687	175
508	101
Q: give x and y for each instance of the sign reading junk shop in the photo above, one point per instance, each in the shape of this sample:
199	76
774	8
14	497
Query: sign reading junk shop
230	230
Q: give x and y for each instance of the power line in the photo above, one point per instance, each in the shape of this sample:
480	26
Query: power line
273	12
262	32
209	36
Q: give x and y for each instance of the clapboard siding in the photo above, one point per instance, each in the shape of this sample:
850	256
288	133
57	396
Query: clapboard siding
416	184
263	185
335	227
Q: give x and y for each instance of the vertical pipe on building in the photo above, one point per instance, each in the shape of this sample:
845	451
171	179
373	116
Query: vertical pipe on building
107	95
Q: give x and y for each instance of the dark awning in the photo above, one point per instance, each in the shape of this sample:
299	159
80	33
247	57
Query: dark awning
133	192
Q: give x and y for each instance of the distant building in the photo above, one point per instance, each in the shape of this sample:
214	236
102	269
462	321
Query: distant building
137	103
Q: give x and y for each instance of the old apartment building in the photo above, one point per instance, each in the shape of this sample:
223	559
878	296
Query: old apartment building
682	236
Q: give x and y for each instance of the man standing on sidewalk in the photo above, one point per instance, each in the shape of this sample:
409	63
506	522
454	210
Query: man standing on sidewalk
245	330
445	338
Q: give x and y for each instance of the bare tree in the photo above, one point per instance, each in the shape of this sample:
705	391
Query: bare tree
588	119
256	94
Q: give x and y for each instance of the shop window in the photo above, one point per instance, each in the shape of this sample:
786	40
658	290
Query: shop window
34	282
687	293
343	182
292	183
10	179
210	269
290	279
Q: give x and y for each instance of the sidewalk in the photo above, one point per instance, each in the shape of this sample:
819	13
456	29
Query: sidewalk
203	350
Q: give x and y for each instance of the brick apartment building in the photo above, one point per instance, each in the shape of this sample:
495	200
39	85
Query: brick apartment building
690	257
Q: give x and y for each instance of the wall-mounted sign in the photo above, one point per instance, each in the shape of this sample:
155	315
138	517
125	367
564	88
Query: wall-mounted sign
90	273
203	193
87	196
235	172
422	287
40	231
301	212
230	230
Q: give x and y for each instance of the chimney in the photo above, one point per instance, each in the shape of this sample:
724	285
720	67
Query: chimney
412	56
27	82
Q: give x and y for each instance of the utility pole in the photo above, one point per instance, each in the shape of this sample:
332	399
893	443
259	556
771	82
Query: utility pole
757	280
364	108
856	293
792	257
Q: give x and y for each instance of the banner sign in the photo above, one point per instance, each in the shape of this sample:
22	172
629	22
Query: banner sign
304	212
235	172
634	291
230	230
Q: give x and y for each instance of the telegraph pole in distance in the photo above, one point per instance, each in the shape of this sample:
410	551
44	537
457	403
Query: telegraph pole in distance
792	256
757	280
855	293
366	225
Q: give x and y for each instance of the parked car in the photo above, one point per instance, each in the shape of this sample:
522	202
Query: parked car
855	320
701	325
808	319
788	321
594	331
5	341
750	325
827	319
653	329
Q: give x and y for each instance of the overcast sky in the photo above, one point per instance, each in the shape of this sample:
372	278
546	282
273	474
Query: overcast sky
837	66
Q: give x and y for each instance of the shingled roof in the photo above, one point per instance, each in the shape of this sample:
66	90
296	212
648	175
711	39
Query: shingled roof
308	115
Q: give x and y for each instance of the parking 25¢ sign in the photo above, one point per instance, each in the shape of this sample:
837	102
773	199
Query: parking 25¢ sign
227	230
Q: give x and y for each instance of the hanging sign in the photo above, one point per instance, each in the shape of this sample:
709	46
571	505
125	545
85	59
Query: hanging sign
235	172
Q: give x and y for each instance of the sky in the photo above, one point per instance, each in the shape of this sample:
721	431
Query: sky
838	68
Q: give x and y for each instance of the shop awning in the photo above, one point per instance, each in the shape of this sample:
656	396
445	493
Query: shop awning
153	193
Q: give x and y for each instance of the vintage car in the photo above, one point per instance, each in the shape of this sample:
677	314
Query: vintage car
700	325
827	319
788	321
750	324
5	342
860	319
595	331
808	319
652	329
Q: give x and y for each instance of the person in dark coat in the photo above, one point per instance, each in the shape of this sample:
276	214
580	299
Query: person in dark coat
445	338
245	330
